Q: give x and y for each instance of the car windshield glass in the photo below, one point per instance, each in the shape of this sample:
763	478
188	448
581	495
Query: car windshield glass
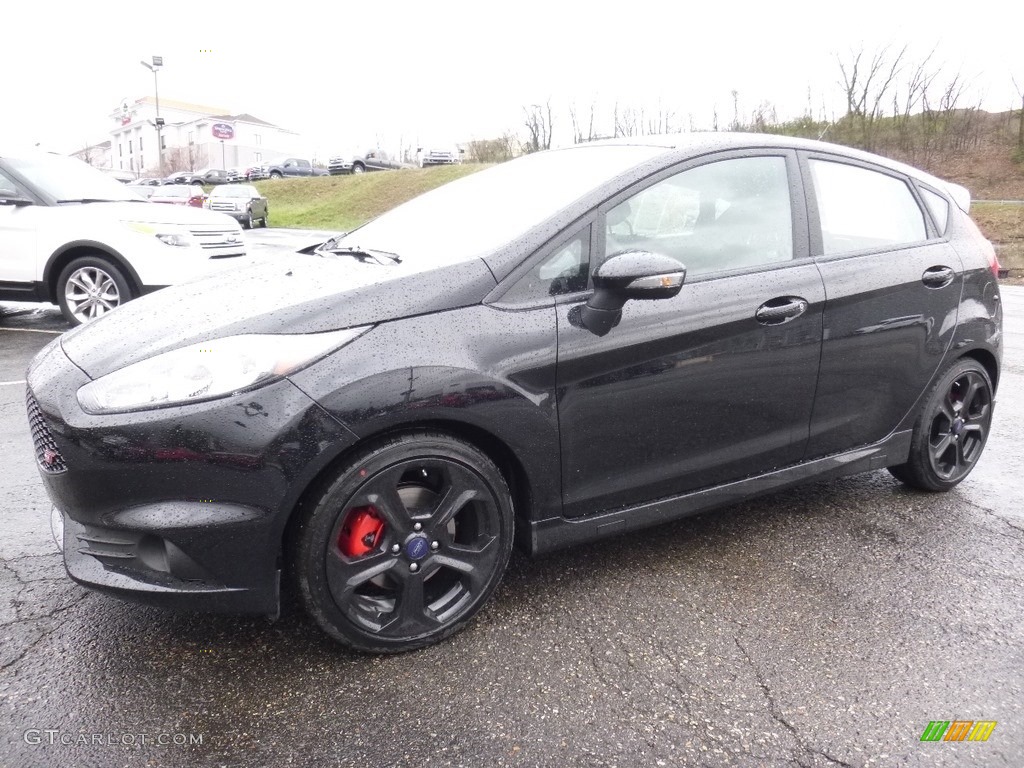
68	179
477	214
242	191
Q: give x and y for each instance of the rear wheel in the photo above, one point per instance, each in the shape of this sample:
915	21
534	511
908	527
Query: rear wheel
89	287
405	545
951	431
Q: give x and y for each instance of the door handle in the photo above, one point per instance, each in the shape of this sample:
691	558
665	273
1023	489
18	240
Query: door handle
938	277
781	310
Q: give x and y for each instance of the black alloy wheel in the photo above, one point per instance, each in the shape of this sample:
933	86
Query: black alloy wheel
952	430
405	545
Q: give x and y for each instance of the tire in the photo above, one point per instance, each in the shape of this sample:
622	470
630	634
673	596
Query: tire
247	221
358	168
89	287
373	580
264	221
276	175
952	429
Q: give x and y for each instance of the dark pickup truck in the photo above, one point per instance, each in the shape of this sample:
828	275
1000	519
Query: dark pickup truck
291	166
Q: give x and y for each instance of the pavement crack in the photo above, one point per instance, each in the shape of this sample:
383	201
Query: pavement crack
775	712
43	633
996	515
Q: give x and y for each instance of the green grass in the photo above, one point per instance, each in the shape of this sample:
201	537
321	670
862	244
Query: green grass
345	202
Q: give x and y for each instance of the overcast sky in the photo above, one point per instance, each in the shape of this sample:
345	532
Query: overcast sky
347	74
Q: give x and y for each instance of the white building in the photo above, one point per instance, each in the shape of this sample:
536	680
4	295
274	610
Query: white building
194	136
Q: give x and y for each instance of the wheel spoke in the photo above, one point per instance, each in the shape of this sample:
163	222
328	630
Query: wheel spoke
973	386
461	490
939	449
344	576
411	617
382	493
475	564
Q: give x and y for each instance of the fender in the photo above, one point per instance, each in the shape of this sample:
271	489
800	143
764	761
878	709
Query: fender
51	270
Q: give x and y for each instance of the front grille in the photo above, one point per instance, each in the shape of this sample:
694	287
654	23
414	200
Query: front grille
215	206
47	455
220	241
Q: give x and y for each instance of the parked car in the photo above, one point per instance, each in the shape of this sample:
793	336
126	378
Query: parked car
73	236
240	201
178	177
209	176
565	347
429	156
371	160
142	190
291	166
176	194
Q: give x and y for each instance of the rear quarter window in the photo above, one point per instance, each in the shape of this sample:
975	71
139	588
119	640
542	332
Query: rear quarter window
939	207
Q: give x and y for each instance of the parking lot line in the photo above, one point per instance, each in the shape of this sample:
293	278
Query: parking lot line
30	330
11	383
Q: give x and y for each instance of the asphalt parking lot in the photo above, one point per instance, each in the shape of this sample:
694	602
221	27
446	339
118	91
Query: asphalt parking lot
824	626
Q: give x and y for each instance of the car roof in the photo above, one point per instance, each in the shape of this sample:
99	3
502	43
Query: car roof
698	142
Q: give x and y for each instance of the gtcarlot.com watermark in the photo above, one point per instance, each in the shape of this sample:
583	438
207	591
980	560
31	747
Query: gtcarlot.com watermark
55	737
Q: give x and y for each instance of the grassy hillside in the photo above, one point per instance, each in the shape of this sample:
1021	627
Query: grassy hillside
345	202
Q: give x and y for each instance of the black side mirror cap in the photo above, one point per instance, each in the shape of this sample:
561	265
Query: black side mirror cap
640	275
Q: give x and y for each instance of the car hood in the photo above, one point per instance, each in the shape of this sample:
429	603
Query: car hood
152	213
294	294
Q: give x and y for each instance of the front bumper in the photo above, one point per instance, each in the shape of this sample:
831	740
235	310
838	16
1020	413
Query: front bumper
183	506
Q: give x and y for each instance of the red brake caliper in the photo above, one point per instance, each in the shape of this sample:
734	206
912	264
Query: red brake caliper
361	532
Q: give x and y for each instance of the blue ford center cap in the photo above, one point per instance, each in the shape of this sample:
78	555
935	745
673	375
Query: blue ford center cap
416	548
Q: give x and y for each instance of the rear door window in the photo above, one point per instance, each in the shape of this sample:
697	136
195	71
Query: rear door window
862	210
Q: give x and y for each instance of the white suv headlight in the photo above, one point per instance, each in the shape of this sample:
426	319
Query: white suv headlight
208	370
169	234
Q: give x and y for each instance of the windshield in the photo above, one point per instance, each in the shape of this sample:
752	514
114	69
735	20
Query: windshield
477	214
235	191
68	179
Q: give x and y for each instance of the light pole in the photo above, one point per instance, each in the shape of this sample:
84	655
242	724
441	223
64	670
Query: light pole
158	61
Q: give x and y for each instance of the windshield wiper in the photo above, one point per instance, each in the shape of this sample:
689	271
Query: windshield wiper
357	252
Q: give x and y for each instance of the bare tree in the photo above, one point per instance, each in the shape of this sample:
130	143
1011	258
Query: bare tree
1020	124
582	126
538	126
866	83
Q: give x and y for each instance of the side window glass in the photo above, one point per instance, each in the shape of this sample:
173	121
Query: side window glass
939	207
563	270
7	187
862	209
724	215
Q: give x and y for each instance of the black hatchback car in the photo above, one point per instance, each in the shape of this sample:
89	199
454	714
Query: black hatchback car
568	346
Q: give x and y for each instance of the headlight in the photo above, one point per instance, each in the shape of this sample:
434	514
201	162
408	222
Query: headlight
208	370
169	234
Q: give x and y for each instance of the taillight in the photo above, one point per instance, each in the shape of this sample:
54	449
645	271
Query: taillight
993	261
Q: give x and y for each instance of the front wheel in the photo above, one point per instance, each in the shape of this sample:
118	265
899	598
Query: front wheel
276	175
951	431
405	544
358	168
90	287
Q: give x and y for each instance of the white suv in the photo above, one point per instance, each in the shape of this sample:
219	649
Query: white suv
71	235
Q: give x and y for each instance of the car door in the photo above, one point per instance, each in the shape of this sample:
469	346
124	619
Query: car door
373	160
717	383
892	285
18	228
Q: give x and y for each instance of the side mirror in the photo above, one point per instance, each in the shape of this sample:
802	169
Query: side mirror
629	275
